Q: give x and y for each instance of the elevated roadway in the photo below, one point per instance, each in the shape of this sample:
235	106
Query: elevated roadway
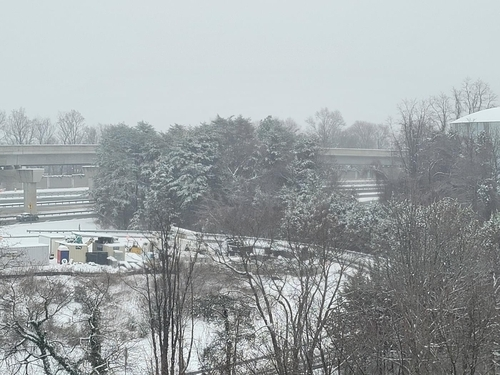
21	163
360	163
356	163
45	155
360	156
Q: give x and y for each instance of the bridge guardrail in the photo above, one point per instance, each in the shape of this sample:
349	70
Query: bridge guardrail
40	194
48	203
40	200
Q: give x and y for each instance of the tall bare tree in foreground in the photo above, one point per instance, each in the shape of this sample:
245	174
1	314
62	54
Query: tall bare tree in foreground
49	325
429	304
226	305
169	287
295	284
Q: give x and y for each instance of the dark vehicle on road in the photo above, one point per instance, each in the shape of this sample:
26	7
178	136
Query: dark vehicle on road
26	216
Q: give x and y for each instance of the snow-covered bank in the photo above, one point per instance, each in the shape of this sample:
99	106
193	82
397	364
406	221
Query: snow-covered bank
26	233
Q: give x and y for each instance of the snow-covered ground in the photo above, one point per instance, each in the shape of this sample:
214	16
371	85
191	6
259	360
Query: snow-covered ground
4	193
27	233
139	348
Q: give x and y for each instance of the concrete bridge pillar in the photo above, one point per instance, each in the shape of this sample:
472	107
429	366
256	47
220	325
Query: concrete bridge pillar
90	171
29	177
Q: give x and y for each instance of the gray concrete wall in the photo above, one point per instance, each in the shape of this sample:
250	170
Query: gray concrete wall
9	181
64	181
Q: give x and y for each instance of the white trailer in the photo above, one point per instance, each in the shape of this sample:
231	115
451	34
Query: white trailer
53	240
24	255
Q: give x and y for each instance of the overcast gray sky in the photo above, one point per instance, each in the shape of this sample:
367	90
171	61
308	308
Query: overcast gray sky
184	62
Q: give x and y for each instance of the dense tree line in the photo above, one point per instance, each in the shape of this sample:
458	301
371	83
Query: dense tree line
223	166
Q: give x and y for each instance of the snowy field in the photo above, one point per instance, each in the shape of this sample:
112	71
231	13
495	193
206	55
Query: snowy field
139	350
126	305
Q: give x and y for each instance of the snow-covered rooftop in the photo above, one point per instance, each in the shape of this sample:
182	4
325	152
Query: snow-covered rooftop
488	115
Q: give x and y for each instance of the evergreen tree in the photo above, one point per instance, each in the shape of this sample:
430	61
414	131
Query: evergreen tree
126	160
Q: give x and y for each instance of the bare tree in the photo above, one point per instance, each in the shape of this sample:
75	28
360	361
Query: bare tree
441	111
44	131
72	127
326	127
3	119
290	124
46	323
429	304
364	134
415	124
18	128
473	96
30	306
229	309
295	284
92	295
92	135
169	288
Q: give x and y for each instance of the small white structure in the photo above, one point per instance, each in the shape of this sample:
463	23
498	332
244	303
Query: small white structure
115	250
472	125
24	255
53	240
75	252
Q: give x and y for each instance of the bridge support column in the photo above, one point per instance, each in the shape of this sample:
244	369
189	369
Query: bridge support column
90	171
29	177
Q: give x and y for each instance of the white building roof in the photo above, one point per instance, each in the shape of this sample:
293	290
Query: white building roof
488	115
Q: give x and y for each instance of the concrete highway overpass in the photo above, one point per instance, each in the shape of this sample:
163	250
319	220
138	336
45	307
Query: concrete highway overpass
354	163
45	155
360	156
357	163
20	163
